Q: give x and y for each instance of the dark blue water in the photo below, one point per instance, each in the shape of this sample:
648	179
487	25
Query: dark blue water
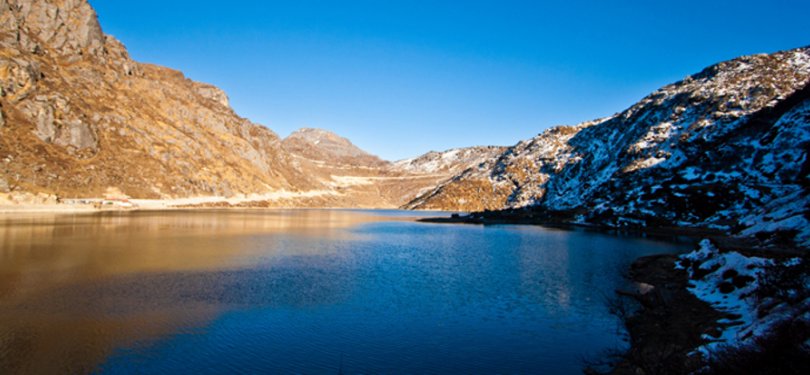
314	292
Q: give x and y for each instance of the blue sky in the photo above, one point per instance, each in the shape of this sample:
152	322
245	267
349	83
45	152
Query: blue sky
400	78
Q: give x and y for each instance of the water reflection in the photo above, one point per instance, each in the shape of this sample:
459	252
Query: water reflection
42	249
301	291
73	287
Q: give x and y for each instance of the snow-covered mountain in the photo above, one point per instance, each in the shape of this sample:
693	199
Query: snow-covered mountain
451	161
725	149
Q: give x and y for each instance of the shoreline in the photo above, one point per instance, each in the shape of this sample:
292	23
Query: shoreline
166	205
49	204
665	323
665	331
748	246
670	323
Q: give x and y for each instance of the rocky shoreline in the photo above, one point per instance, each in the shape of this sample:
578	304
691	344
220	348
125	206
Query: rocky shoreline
564	220
670	323
679	319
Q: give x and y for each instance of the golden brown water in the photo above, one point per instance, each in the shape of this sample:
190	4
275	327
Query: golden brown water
55	316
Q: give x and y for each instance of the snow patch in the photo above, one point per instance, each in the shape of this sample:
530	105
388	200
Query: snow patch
741	301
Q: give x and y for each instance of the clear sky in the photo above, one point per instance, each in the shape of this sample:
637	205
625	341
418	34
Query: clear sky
400	78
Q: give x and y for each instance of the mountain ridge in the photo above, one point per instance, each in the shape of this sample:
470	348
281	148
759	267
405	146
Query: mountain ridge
79	118
328	147
718	150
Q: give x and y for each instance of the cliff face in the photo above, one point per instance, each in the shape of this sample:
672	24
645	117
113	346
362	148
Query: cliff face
79	116
723	149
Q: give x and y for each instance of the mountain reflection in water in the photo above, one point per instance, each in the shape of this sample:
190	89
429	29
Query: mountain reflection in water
302	291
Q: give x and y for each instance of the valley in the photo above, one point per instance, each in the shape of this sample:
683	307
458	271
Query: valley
104	149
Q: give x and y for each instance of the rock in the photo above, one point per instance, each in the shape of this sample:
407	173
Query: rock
69	27
212	93
18	78
42	112
726	287
644	288
740	281
729	273
8	23
52	117
76	134
4	187
57	124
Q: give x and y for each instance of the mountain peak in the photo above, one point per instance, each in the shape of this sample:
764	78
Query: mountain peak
723	149
326	146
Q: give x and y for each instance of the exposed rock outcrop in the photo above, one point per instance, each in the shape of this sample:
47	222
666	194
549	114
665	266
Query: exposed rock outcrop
207	91
78	116
67	28
81	116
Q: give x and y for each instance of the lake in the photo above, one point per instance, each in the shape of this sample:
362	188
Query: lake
304	291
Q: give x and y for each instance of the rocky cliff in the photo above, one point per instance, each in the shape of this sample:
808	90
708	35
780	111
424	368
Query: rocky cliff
725	149
79	118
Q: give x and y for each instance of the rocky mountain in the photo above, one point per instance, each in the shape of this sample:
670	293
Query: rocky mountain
79	119
725	149
80	116
364	180
323	146
452	161
501	179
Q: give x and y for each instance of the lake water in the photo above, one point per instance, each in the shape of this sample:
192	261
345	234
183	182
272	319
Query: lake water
304	291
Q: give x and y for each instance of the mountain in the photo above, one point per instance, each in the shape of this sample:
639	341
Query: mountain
323	146
500	180
80	119
452	161
722	150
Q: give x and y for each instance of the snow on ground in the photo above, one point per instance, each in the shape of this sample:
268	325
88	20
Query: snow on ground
725	269
784	213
